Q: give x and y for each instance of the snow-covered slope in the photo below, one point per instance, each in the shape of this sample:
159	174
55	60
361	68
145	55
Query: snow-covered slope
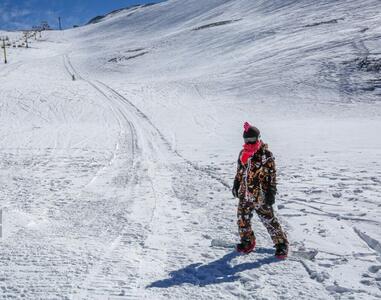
113	185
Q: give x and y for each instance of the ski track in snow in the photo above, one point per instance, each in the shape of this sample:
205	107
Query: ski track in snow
116	185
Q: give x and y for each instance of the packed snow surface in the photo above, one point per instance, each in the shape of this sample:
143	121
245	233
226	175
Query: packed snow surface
116	185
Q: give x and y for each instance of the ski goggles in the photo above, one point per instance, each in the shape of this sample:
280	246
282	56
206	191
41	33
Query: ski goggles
251	140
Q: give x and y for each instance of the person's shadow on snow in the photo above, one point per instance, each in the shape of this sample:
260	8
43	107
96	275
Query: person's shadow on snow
215	272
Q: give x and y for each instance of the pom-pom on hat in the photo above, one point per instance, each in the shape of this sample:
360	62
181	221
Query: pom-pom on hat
250	133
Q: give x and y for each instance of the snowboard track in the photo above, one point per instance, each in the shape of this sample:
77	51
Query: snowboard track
91	282
162	137
101	87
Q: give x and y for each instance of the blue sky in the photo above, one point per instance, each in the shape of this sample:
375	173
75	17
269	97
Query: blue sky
23	14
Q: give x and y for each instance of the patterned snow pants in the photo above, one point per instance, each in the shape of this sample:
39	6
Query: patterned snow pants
267	217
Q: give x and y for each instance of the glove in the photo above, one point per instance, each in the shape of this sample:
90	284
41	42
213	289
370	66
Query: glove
270	196
235	188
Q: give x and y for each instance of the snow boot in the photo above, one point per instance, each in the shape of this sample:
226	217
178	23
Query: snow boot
246	246
281	250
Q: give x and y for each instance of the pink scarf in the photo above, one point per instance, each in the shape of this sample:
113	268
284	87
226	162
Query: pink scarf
249	150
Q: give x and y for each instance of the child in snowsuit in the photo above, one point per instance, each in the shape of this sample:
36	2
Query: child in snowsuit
255	186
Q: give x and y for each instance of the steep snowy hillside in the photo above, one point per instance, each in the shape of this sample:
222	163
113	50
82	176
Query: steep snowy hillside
119	140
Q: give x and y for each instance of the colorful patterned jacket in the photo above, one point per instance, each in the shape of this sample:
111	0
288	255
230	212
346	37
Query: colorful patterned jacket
257	176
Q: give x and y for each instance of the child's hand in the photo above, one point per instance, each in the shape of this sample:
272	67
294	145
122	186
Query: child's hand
235	188
269	198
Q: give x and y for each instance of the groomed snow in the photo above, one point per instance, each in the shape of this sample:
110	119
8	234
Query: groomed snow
115	184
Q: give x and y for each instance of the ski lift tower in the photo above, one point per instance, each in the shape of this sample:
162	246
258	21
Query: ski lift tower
3	39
